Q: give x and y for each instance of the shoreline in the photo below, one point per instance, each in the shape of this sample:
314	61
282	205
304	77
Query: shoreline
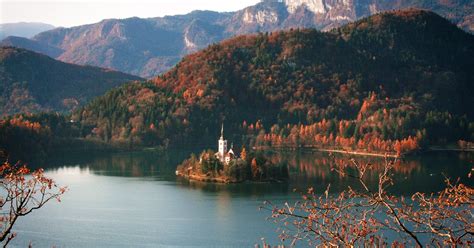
441	149
206	179
84	145
362	153
328	150
112	149
220	180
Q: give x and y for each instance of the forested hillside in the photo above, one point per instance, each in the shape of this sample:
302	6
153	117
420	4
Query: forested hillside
392	82
32	82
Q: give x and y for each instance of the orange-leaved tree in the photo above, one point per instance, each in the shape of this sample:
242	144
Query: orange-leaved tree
22	192
364	216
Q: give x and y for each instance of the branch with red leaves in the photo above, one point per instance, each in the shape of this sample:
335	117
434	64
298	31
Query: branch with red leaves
22	192
359	217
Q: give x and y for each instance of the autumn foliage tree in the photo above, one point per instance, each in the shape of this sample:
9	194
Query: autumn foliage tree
22	192
364	216
254	168
243	153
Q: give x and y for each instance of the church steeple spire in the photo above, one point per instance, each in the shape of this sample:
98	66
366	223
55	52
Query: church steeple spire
222	131
222	145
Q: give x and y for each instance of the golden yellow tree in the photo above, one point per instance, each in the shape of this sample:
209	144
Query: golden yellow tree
243	154
254	168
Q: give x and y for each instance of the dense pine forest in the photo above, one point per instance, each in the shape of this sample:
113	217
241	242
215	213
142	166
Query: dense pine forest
394	82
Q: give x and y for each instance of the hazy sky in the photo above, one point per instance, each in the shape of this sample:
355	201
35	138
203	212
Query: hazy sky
67	13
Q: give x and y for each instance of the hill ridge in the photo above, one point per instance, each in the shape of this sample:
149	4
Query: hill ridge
33	82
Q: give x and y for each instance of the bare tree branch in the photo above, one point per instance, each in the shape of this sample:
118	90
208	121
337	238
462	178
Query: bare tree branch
359	217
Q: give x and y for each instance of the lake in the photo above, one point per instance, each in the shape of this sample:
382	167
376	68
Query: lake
135	200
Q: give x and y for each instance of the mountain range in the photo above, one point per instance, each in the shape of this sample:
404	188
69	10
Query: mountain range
33	82
23	29
149	47
400	76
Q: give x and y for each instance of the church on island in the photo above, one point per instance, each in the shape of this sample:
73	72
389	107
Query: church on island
224	166
222	154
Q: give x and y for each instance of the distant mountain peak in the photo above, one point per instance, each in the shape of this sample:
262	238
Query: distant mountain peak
23	29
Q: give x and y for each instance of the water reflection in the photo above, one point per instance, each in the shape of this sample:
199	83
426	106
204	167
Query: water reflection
422	173
134	199
224	206
130	164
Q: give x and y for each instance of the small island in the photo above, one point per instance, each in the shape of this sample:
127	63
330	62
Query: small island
225	166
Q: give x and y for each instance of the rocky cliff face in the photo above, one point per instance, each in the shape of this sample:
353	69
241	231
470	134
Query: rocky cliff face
148	47
315	6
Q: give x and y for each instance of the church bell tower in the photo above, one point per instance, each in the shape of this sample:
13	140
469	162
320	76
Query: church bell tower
222	145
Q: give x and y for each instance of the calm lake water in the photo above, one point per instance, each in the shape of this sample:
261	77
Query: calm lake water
134	200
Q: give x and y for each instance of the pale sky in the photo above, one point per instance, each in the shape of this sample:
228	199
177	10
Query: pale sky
67	13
